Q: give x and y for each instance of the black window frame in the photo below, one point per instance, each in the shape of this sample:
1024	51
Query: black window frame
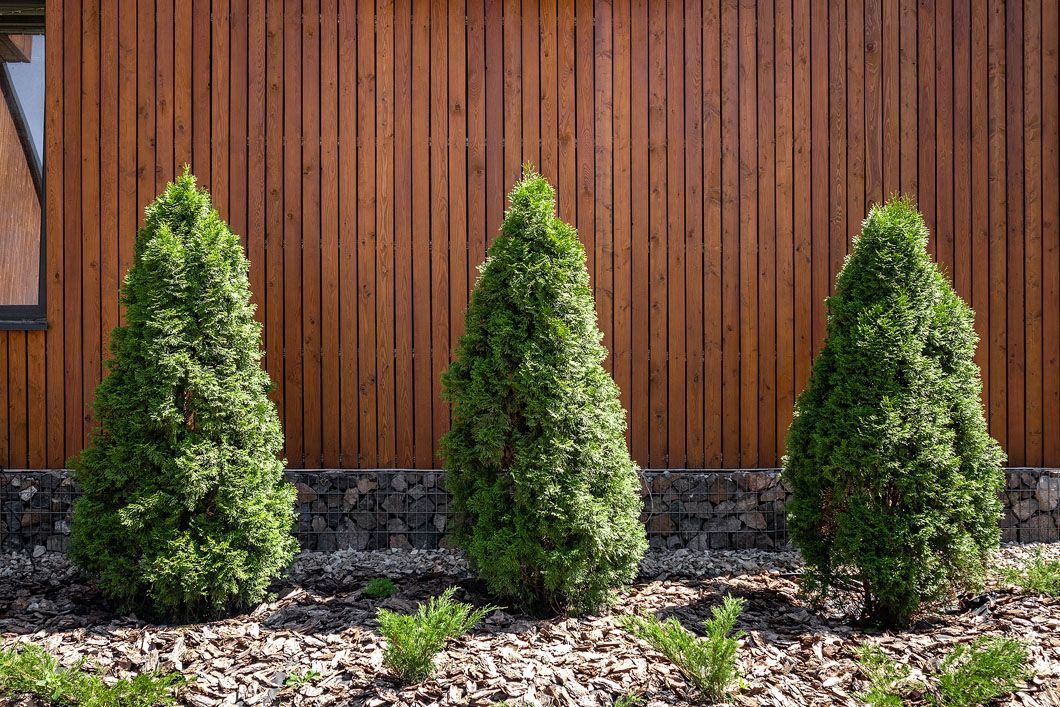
26	317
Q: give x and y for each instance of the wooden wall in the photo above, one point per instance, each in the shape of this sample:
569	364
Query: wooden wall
716	156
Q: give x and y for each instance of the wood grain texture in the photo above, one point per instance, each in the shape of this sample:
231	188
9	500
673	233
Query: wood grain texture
717	157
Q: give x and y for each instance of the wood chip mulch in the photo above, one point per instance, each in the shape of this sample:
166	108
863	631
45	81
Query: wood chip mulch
320	621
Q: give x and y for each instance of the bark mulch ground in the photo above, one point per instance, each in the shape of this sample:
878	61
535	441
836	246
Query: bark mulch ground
321	622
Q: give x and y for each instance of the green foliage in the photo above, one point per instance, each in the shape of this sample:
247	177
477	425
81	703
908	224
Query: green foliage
630	700
413	640
895	479
887	678
32	671
184	512
976	674
298	679
379	588
1039	576
967	675
710	662
546	496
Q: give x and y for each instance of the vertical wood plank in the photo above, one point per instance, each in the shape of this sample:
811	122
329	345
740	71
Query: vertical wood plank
873	104
1032	178
566	186
201	120
237	122
944	136
495	105
767	238
366	232
713	326
348	234
785	227
1014	235
404	370
996	129
292	220
312	288
274	155
693	340
220	87
513	102
805	304
819	175
330	320
1051	231
962	148
980	194
640	420
109	175
621	214
925	38
421	232
91	359
675	233
255	181
531	82
164	92
584	95
440	209
54	136
183	61
603	196
549	102
17	429
384	250
749	301
730	230
657	263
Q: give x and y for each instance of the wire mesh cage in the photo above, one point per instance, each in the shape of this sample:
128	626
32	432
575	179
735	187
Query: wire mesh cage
407	508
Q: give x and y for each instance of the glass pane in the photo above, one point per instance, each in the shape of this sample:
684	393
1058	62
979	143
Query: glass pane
21	148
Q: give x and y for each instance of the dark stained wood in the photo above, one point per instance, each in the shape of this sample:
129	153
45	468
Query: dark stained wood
717	157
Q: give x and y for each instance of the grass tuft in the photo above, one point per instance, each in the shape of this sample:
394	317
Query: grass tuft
710	662
985	670
888	679
413	640
379	588
1038	576
30	670
968	675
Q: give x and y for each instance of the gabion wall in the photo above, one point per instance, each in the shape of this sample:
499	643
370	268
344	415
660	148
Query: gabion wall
375	509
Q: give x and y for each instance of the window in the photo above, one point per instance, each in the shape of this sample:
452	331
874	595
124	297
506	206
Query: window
21	160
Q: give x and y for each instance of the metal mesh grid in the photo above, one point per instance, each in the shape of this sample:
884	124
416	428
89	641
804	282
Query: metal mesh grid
701	510
405	508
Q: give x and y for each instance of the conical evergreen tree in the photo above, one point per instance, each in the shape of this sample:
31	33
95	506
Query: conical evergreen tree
545	493
184	512
895	479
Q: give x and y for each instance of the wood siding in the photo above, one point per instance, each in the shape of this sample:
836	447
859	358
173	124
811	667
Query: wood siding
716	157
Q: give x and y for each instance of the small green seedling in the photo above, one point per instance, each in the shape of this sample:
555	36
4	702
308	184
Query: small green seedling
297	679
414	640
379	588
29	670
710	662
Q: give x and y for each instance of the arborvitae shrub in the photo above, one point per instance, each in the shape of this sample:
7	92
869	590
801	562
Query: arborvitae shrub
546	496
184	512
894	477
